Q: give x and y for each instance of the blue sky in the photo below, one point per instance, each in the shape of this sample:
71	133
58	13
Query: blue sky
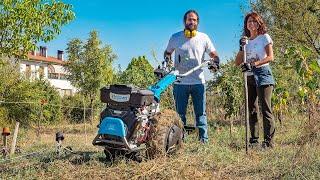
139	27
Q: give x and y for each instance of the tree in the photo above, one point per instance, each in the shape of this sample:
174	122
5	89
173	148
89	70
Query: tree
24	23
292	22
9	77
89	65
139	73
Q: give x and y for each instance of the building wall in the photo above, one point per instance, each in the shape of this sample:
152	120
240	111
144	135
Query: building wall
34	69
63	86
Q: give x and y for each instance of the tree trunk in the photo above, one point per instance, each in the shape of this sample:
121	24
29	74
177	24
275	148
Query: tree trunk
231	127
91	108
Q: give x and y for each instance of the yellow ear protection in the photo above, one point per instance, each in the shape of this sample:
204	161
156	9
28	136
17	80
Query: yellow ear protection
190	33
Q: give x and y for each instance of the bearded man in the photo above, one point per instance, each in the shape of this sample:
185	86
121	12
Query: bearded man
189	47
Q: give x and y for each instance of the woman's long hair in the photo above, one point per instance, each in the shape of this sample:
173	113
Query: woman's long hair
262	26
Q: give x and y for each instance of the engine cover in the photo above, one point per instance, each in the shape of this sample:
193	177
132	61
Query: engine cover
123	96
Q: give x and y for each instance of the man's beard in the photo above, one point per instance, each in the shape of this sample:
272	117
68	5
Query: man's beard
191	27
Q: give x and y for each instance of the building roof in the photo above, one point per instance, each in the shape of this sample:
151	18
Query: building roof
48	59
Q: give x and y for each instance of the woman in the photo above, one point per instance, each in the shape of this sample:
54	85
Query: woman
260	83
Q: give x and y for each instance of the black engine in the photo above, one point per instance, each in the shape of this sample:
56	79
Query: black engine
132	105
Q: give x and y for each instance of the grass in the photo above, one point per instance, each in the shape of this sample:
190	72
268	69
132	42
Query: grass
223	157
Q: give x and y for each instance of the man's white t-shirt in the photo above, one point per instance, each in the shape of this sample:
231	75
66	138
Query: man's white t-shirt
189	53
255	49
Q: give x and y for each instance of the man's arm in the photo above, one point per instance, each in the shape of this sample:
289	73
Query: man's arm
211	50
169	50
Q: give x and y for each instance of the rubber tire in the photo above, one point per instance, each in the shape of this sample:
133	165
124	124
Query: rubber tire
162	126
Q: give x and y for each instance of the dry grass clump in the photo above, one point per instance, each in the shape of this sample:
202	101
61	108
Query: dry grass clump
163	122
168	117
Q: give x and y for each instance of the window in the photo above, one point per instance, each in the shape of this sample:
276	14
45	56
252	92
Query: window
53	75
51	69
63	77
67	92
34	74
41	72
28	71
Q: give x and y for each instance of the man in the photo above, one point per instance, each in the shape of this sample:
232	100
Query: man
190	47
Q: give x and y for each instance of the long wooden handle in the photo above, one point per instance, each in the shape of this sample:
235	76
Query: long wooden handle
246	99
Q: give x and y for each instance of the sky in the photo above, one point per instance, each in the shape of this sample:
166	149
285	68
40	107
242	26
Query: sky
141	27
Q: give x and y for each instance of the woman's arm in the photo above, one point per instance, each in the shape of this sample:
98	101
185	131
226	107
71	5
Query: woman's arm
239	58
269	58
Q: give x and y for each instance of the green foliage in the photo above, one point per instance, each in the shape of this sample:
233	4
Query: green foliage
90	65
15	90
117	75
3	116
23	23
285	84
9	77
73	108
34	92
292	22
139	73
280	99
308	70
229	87
167	99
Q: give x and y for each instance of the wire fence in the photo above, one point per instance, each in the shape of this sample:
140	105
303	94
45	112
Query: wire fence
44	130
41	103
81	131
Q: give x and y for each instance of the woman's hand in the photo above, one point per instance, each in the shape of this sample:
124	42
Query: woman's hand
242	42
254	62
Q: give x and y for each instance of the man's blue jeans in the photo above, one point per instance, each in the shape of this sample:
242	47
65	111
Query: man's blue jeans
181	95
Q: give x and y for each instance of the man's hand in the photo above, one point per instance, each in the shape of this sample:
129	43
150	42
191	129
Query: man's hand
167	56
214	64
242	42
159	73
167	59
245	67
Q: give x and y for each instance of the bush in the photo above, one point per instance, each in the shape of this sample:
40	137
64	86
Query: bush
29	109
72	109
22	98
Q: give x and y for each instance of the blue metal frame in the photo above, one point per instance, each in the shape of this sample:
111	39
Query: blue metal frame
163	84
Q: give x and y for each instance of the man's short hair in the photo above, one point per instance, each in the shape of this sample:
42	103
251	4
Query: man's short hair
188	12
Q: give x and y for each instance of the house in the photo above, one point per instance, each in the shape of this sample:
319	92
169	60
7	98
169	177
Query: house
40	65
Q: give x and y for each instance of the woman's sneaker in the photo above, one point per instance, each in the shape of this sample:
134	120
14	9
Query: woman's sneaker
267	145
253	143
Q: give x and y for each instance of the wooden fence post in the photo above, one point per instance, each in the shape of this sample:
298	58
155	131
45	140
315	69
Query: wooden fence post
14	140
